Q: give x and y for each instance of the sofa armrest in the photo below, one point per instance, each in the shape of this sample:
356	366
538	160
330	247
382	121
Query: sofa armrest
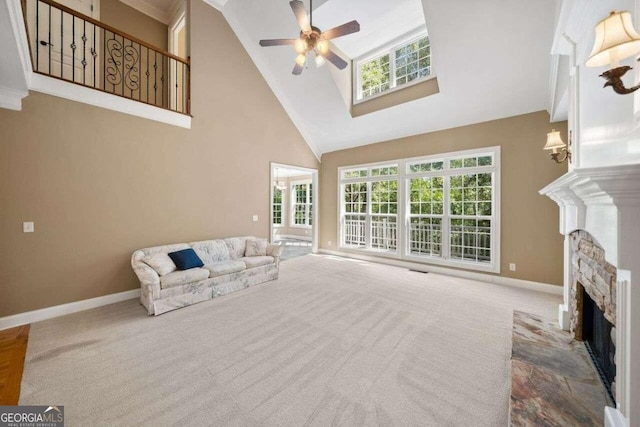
147	275
275	251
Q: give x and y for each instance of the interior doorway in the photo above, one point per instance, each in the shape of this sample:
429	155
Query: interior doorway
294	209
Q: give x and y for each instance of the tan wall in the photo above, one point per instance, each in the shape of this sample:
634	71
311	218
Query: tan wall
101	184
134	22
529	221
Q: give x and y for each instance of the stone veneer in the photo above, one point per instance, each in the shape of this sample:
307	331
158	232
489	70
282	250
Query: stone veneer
591	272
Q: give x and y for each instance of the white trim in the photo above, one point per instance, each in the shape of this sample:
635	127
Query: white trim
74	92
178	23
11	98
498	280
64	309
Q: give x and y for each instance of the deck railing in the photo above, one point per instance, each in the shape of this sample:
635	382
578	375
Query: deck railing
70	46
471	243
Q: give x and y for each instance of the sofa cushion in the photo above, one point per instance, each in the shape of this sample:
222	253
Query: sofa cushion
179	278
223	268
237	246
257	261
160	262
211	251
256	247
186	259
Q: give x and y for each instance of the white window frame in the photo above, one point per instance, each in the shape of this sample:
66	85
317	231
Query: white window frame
283	209
293	202
403	220
369	180
390	49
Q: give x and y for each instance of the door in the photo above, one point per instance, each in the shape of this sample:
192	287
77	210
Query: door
62	45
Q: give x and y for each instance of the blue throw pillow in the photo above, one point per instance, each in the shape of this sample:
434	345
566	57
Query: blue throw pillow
186	259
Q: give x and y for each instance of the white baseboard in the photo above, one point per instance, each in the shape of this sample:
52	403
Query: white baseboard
61	310
499	280
293	236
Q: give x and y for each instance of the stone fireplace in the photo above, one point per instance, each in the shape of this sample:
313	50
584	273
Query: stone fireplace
600	220
593	303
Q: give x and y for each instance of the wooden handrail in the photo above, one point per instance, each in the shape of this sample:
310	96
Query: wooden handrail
112	29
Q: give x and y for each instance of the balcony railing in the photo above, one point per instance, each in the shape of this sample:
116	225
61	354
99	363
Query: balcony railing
73	47
355	227
467	243
384	233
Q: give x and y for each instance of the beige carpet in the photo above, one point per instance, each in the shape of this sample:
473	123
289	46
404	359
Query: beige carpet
333	341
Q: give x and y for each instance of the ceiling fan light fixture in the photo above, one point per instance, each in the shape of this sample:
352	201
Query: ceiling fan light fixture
320	61
301	59
323	47
300	46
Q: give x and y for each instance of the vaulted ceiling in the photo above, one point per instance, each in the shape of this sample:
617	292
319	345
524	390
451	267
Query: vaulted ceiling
491	59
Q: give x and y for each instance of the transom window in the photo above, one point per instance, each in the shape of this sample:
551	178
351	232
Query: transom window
393	67
439	209
302	197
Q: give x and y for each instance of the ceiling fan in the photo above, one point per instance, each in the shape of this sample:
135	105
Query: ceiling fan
313	39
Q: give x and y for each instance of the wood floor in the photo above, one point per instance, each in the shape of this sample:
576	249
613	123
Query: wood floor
13	347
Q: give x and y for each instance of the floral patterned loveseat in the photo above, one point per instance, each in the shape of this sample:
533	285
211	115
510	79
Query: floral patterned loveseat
226	269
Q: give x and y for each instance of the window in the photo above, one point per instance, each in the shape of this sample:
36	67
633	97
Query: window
370	208
426	212
277	205
302	197
439	209
393	67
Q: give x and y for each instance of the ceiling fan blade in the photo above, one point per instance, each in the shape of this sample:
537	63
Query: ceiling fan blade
297	70
277	42
341	30
340	63
301	15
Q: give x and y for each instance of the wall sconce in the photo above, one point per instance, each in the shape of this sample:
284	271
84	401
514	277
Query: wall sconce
557	145
616	40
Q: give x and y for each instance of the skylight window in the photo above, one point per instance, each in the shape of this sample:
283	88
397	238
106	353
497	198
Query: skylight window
392	67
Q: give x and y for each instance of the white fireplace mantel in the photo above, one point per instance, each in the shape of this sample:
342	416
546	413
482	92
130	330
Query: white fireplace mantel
605	201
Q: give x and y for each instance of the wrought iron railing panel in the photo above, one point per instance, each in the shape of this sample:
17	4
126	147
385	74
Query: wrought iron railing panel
70	46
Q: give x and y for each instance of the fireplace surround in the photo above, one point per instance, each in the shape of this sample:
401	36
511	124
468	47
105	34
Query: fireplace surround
600	219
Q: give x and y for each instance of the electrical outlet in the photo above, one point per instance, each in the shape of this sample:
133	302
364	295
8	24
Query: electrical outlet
512	267
28	227
255	218
329	243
